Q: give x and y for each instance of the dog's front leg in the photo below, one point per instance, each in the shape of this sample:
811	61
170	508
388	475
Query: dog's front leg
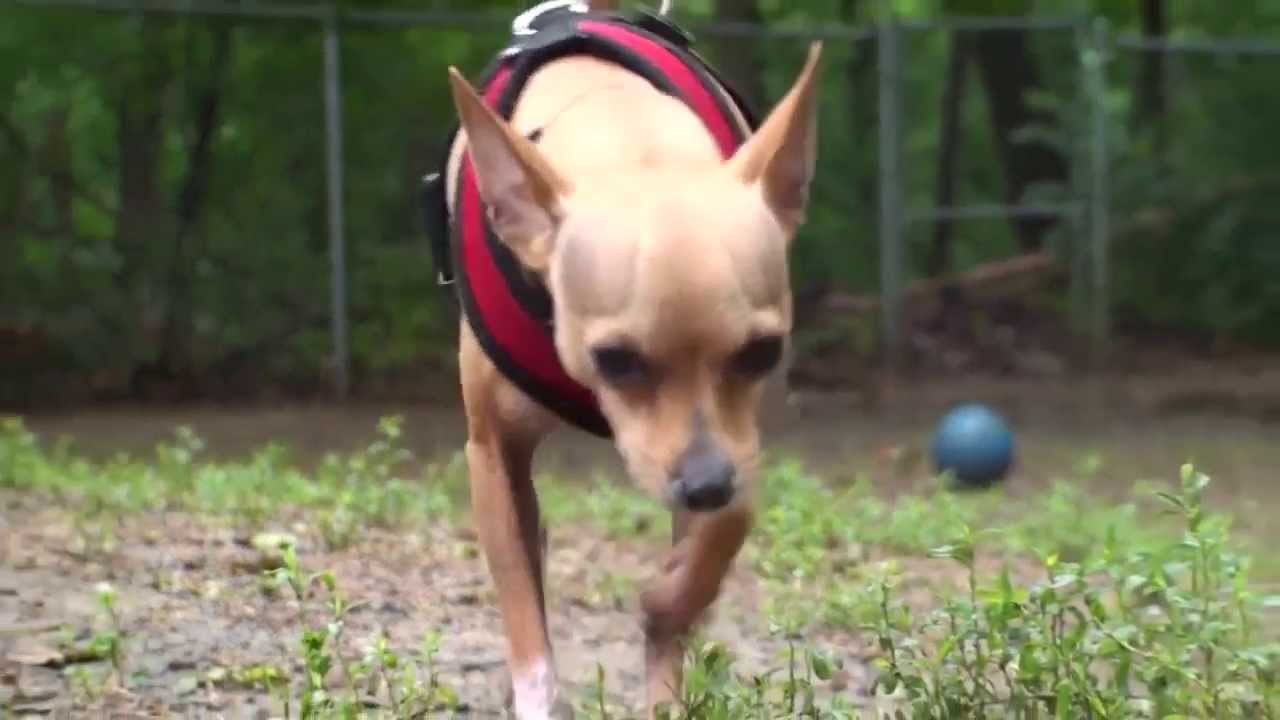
706	545
505	508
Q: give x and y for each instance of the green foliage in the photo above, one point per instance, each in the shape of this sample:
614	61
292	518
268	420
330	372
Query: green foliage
341	495
104	133
809	530
605	504
714	691
1210	268
1165	631
127	249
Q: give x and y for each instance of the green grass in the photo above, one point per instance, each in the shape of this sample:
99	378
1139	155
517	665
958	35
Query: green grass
343	493
1058	606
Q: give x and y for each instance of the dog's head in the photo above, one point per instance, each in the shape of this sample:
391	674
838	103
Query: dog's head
671	292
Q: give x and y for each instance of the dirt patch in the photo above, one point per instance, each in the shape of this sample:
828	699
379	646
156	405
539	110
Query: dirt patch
194	611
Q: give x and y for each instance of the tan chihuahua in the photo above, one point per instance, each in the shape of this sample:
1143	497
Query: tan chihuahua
668	269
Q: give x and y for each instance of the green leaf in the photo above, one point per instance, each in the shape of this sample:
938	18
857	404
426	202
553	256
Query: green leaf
326	578
821	666
945	650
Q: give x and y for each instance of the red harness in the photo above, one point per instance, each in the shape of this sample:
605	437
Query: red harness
511	313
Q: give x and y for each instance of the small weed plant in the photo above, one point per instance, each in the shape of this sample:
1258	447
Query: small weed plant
409	687
1169	631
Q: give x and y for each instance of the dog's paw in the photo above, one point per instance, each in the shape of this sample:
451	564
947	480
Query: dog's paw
533	696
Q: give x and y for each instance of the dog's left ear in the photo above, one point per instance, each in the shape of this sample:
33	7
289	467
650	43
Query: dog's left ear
523	192
781	155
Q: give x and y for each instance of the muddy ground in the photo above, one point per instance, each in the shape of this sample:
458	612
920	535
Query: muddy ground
191	595
193	608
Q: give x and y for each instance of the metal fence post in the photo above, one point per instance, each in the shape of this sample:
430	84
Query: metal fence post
337	239
888	54
1100	192
1077	244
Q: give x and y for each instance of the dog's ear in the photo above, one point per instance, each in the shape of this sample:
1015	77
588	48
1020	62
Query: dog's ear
523	192
781	155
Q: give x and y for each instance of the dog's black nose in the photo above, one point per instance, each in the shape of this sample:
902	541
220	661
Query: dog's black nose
704	479
706	494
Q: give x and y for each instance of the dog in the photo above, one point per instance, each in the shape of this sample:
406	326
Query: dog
665	265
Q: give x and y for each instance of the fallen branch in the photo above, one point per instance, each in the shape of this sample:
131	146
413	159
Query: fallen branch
1009	276
1025	272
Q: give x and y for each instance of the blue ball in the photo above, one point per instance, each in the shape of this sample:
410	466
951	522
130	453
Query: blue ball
973	443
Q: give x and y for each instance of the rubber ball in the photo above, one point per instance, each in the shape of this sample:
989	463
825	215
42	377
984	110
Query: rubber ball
974	444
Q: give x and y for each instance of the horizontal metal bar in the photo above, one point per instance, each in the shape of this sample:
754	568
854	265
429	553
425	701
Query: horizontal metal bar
980	23
192	7
432	18
311	12
317	12
977	212
825	31
404	18
1206	46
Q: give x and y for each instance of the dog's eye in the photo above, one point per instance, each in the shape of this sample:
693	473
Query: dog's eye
619	363
758	357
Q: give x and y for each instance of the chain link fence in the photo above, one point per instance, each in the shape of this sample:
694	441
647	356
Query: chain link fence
209	195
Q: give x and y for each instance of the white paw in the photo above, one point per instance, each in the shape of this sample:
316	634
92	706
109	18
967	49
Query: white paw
534	693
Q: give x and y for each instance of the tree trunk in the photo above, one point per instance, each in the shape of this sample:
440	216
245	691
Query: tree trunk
1009	74
13	192
736	57
140	139
57	162
1150	93
191	205
941	254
